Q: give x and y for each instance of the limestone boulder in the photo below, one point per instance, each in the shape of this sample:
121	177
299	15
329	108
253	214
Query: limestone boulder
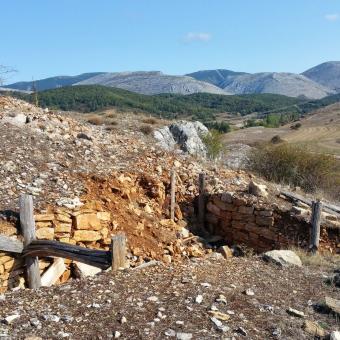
184	135
283	258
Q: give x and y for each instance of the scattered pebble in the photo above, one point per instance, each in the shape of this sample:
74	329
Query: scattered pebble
199	299
295	312
249	292
9	319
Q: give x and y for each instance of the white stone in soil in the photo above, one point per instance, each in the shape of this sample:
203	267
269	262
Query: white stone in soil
335	335
184	336
199	299
9	319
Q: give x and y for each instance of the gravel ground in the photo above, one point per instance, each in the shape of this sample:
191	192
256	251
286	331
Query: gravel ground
175	302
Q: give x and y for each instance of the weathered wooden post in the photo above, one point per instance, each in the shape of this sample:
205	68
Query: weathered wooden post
316	221
27	224
172	194
201	202
118	250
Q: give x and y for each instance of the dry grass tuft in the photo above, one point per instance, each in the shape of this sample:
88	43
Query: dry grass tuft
111	115
151	121
326	261
146	129
276	140
96	120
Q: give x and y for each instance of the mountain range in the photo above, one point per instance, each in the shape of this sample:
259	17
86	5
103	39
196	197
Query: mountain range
318	82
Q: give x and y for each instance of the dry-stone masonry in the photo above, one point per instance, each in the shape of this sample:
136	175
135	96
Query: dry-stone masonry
251	220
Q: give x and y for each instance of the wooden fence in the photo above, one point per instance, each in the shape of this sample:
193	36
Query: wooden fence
31	249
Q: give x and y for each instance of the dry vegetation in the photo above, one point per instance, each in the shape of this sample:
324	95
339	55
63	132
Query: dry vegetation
326	261
297	166
146	129
151	121
96	120
320	132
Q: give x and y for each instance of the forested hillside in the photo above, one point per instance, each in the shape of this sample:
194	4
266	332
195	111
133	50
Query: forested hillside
201	106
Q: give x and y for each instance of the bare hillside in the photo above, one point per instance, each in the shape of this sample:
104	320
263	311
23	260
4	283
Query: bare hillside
152	83
287	84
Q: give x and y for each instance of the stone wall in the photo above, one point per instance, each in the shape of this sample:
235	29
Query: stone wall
262	225
88	226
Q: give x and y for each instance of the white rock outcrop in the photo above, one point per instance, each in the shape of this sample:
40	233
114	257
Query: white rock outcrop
184	135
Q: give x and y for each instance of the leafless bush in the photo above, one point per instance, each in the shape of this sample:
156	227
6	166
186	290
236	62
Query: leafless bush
5	71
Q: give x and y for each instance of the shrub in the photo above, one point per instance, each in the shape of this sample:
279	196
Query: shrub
294	165
251	123
146	129
151	121
222	127
296	126
276	140
111	115
213	143
96	120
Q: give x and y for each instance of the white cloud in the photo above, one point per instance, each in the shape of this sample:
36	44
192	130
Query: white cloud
332	17
194	36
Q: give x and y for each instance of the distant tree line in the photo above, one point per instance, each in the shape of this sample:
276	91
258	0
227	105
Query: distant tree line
271	110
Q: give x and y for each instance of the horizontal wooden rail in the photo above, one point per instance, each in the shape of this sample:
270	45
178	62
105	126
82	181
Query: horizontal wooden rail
10	245
327	207
97	258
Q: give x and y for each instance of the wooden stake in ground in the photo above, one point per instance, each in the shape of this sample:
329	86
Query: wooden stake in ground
316	221
201	202
118	249
172	194
28	230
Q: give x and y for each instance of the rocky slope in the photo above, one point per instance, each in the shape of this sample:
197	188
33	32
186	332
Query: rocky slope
52	82
220	77
326	74
287	84
152	83
90	183
317	82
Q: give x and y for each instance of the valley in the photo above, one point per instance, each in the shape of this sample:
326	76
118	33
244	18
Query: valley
319	132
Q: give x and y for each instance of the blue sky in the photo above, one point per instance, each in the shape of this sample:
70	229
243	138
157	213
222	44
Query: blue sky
42	38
